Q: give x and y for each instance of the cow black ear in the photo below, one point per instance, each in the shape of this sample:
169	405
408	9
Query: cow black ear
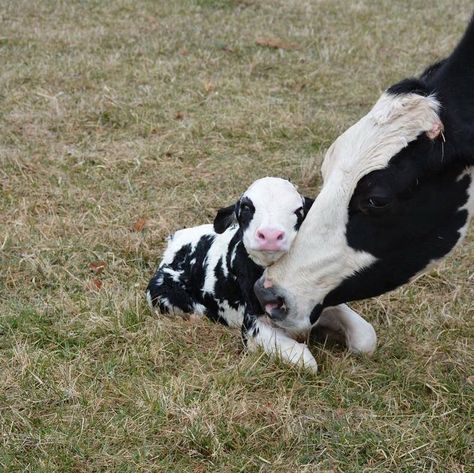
224	219
307	203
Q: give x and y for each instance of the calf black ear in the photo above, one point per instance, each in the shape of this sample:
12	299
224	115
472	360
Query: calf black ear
224	219
307	203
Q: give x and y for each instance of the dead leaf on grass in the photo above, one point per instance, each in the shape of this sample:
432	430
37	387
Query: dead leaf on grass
179	115
209	86
98	266
275	43
139	225
95	285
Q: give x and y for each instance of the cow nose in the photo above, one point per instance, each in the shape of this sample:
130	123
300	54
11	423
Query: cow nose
269	299
270	238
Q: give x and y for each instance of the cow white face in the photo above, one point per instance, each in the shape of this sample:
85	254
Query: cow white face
269	214
396	197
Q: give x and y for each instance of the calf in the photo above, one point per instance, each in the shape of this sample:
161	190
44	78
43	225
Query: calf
211	269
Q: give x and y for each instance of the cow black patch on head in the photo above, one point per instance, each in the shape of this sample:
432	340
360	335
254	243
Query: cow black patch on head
406	215
241	212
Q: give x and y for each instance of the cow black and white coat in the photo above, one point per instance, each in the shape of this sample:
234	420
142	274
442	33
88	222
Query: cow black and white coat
210	270
397	197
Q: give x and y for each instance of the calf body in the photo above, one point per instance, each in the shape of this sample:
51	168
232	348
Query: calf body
211	270
206	273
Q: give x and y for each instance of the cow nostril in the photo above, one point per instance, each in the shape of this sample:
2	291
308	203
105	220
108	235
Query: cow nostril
280	236
260	235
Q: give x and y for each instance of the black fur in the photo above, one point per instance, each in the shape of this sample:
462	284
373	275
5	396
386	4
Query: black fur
303	211
224	219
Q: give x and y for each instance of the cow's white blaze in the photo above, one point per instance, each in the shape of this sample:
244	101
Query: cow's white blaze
320	257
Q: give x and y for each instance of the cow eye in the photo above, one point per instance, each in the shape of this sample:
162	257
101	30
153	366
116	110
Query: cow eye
375	205
377	202
299	211
244	207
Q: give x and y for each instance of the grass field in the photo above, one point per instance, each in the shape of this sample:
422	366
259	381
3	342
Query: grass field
123	121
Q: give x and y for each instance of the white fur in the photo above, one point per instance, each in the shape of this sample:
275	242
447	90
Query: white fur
277	343
470	201
360	336
184	237
275	201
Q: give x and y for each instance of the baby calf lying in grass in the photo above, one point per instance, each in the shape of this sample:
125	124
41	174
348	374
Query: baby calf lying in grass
211	269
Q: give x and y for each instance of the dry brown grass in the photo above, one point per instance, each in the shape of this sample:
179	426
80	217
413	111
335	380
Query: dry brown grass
117	111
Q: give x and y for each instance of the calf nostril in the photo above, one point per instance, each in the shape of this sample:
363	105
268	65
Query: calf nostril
260	235
280	236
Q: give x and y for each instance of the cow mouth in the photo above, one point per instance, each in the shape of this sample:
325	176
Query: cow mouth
276	310
273	304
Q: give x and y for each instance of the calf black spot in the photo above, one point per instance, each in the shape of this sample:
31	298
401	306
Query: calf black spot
245	211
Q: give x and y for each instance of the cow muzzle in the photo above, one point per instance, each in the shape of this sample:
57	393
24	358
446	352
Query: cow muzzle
270	299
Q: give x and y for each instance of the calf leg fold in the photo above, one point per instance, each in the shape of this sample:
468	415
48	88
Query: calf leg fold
276	343
358	334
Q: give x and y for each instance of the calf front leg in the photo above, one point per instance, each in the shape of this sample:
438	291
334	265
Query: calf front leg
358	334
259	333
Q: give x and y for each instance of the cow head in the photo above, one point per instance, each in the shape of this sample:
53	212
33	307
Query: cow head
269	214
397	195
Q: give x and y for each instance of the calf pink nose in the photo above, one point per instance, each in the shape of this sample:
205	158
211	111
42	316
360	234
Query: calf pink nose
270	239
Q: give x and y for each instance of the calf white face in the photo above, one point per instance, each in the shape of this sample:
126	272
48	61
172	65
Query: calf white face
397	195
268	214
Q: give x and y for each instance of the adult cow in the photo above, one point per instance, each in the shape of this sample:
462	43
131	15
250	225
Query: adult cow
397	196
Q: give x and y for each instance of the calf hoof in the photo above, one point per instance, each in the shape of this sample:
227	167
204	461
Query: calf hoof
362	341
300	355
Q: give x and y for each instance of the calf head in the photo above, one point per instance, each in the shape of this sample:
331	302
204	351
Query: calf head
397	196
268	214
